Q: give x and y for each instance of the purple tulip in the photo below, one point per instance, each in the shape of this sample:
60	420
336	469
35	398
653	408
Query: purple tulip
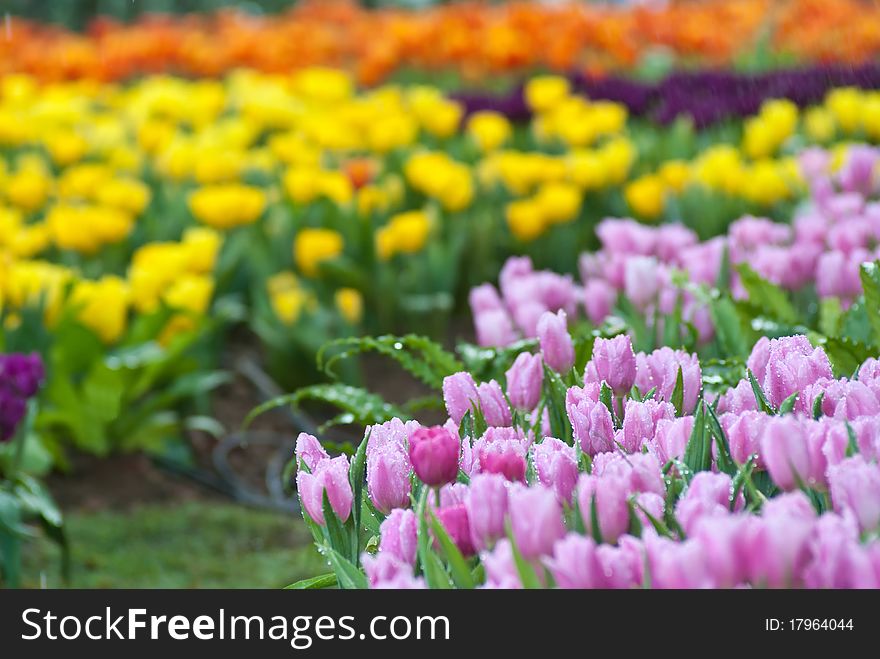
708	495
758	358
855	488
614	363
590	420
557	467
776	548
388	478
434	454
792	365
399	535
792	451
738	399
676	565
524	380
599	298
660	369
671	438
535	520
556	345
385	570
486	503
391	434
839	560
611	492
743	432
858	173
495	409
460	395
641	277
454	520
500	565
330	476
721	539
867	430
484	298
494	328
507	458
640	421
848	400
575	563
20	379
309	450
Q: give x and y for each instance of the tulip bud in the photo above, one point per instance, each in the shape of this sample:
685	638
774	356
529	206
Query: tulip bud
502	457
855	487
535	519
309	450
434	453
459	394
557	467
495	409
454	520
640	420
524	380
486	503
792	365
660	369
388	478
743	431
610	492
614	363
792	451
331	476
556	345
590	420
399	535
500	565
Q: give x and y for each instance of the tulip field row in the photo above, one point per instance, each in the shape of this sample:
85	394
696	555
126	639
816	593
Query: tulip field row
642	306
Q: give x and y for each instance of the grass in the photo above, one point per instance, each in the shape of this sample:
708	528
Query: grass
190	545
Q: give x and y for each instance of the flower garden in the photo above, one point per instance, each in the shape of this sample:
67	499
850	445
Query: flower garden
572	295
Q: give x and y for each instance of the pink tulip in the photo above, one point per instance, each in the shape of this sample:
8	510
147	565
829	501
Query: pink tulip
557	467
855	488
460	395
434	454
399	535
486	503
524	380
614	363
556	345
309	450
535	519
330	476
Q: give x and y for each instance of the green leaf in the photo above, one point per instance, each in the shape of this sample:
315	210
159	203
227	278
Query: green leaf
595	529
367	408
554	401
763	405
349	576
606	397
356	479
328	580
432	568
423	358
527	575
461	573
728	327
870	276
766	296
725	462
698	453
817	406
852	446
336	535
846	354
788	404
678	393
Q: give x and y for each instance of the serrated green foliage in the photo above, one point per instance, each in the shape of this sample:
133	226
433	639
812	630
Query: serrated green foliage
425	359
365	407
